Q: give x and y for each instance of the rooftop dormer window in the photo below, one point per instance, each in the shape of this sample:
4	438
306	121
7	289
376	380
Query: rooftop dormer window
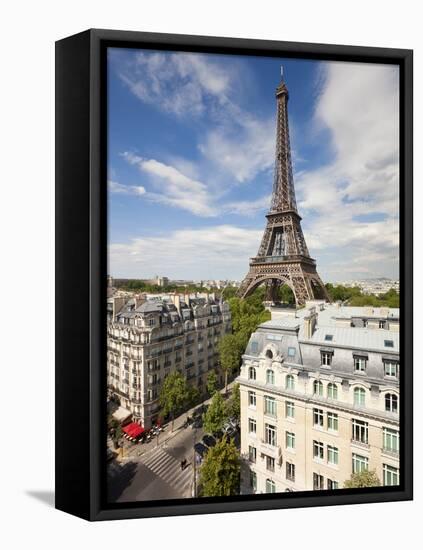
329	337
389	343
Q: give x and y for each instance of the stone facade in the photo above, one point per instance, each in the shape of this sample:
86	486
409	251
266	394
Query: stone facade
148	341
320	399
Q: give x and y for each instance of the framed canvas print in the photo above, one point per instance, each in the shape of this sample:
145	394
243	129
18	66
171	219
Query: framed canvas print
234	275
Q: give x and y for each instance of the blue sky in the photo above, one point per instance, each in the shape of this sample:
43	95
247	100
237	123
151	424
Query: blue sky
191	154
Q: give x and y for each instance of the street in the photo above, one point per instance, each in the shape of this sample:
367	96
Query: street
157	473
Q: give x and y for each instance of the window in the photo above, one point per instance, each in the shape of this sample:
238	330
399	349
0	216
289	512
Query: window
391	402
252	426
326	358
289	382
291	352
329	337
359	463
333	455
391	369
332	421
360	364
270	486
359	396
254	347
290	471
318	388
270	377
251	373
253	480
318	417
332	484
269	354
382	324
269	405
390	475
318	482
252	453
252	399
290	440
151	322
289	409
270	434
332	391
318	450
360	431
277	337
390	440
389	343
270	464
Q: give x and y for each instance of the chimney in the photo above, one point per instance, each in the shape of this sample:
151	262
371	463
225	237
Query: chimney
177	301
310	321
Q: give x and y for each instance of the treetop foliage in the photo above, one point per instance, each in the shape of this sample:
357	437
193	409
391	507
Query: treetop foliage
362	479
220	472
354	296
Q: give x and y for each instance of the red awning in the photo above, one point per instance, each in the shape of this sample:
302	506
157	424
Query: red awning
133	429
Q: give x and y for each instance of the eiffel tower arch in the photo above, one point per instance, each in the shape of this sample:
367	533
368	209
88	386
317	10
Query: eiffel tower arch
283	256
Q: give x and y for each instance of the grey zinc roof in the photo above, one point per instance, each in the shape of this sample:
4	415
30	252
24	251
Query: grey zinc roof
288	322
150	307
356	338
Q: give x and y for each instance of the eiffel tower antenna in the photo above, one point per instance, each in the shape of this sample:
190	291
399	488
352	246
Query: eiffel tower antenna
283	256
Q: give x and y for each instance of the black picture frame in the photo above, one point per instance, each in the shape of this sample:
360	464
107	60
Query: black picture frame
81	274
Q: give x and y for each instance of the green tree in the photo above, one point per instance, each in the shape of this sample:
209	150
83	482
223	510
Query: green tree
212	383
230	352
362	479
194	396
115	430
234	403
174	395
216	415
220	472
285	295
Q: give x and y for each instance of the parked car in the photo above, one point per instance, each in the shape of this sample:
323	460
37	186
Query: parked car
200	449
209	440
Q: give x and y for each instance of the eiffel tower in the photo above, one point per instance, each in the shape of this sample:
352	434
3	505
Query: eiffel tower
283	257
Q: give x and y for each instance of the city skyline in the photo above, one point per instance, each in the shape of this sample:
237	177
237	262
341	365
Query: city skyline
191	153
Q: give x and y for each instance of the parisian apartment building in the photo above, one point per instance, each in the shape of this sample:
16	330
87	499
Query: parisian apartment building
149	338
320	398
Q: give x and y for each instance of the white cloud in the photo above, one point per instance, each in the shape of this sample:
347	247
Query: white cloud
236	142
173	187
248	208
115	187
243	149
179	83
210	252
359	105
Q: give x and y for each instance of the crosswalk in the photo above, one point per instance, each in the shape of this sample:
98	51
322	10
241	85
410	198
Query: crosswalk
168	468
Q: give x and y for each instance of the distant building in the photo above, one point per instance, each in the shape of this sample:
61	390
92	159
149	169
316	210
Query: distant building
148	340
373	286
161	281
320	398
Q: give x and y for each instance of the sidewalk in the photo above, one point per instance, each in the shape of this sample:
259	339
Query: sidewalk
133	451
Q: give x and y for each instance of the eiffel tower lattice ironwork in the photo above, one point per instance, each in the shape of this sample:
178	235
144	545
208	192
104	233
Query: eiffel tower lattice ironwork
283	257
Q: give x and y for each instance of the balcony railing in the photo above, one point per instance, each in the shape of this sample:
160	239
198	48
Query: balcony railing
359	443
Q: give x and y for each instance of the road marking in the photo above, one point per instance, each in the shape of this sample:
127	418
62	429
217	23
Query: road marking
168	468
